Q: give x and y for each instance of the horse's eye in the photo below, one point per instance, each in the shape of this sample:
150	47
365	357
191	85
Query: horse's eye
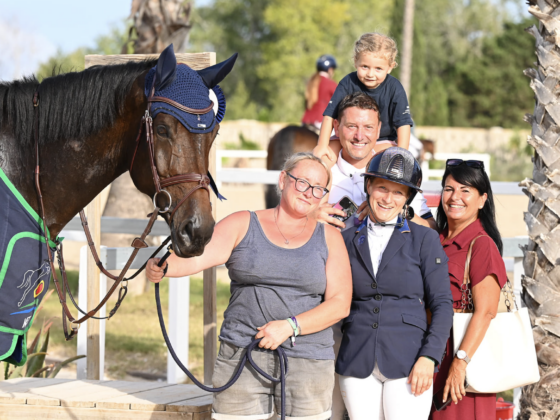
162	130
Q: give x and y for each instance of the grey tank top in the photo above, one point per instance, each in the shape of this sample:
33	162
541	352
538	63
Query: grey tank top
270	283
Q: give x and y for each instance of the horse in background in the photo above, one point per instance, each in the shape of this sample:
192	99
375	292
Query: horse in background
289	140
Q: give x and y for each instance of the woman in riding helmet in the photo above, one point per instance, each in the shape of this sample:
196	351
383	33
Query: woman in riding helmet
389	348
318	92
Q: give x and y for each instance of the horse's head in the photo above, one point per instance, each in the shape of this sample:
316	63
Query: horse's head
185	108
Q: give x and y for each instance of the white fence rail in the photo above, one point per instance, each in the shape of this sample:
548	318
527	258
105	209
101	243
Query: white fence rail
438	173
244	175
261	176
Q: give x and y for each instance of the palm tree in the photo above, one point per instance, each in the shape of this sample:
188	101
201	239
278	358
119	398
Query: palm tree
159	23
541	283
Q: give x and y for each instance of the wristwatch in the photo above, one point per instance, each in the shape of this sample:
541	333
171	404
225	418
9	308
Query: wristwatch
462	355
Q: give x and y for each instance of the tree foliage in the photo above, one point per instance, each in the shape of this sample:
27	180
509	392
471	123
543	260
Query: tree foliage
63	62
463	51
278	42
467	55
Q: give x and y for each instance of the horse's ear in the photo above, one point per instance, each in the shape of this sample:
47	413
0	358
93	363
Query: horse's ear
216	73
166	68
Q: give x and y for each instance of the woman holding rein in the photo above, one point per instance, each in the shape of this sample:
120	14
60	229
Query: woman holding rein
465	213
290	281
389	351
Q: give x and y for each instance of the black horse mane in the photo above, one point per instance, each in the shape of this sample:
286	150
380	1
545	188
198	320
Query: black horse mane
71	106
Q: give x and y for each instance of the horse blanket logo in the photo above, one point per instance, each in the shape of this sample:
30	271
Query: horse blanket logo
24	271
32	280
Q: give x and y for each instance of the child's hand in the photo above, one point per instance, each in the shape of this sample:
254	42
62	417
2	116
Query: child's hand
325	153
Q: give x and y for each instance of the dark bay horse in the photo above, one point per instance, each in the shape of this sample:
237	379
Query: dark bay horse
88	126
289	140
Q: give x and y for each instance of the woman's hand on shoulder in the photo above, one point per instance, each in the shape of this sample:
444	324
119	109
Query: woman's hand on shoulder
421	376
273	334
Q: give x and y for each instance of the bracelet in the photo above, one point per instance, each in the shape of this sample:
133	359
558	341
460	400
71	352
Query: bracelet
298	332
295	328
165	269
431	359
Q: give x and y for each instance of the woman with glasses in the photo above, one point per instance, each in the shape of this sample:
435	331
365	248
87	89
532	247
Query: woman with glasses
290	281
389	350
465	213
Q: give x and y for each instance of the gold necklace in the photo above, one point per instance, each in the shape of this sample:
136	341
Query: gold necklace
286	240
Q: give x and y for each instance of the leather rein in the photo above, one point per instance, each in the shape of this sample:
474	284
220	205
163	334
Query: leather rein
62	288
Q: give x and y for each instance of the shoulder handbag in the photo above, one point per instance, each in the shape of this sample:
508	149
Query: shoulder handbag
506	358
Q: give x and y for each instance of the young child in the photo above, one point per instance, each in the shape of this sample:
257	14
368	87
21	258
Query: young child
374	58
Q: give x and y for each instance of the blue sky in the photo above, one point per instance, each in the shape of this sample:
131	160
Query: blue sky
32	30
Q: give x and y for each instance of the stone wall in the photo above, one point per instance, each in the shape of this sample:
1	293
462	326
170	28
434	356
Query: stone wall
448	139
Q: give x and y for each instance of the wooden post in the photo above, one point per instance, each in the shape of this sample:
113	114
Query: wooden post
209	286
93	212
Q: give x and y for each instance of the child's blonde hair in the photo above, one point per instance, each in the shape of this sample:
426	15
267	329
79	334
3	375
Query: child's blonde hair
379	44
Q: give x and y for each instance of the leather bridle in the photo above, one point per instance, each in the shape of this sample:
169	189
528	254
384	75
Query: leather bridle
159	183
62	288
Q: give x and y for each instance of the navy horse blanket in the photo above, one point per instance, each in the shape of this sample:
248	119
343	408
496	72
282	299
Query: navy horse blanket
25	271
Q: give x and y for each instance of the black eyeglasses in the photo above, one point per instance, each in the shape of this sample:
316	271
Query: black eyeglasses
477	164
302	185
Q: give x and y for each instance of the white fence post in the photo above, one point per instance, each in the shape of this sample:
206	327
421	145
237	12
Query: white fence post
81	342
178	328
81	365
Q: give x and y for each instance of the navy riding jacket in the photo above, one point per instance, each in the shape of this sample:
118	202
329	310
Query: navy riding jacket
388	321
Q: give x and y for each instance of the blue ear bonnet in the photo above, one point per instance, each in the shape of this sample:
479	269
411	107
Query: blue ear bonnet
189	90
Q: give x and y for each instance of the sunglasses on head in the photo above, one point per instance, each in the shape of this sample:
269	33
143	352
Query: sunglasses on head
477	164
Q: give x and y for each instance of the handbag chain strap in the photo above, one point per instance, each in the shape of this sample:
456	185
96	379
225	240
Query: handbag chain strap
466	293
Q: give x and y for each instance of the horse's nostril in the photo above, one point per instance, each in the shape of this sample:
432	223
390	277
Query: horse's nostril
189	229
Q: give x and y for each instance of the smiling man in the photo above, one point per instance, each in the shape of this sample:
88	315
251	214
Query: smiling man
358	126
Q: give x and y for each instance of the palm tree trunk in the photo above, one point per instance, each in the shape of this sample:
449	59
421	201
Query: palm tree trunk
541	283
159	23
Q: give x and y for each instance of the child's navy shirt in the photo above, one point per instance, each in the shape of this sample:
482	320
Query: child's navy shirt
390	97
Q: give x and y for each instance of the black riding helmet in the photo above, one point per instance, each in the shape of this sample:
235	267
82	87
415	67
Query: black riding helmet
325	62
398	165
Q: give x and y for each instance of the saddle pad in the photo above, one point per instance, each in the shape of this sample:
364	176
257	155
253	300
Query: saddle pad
24	271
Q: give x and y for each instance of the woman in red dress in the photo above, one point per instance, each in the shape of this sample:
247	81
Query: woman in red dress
318	92
466	212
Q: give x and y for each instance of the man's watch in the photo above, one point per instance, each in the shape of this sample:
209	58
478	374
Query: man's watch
462	355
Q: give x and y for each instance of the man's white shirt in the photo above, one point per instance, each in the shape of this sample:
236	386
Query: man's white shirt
348	180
